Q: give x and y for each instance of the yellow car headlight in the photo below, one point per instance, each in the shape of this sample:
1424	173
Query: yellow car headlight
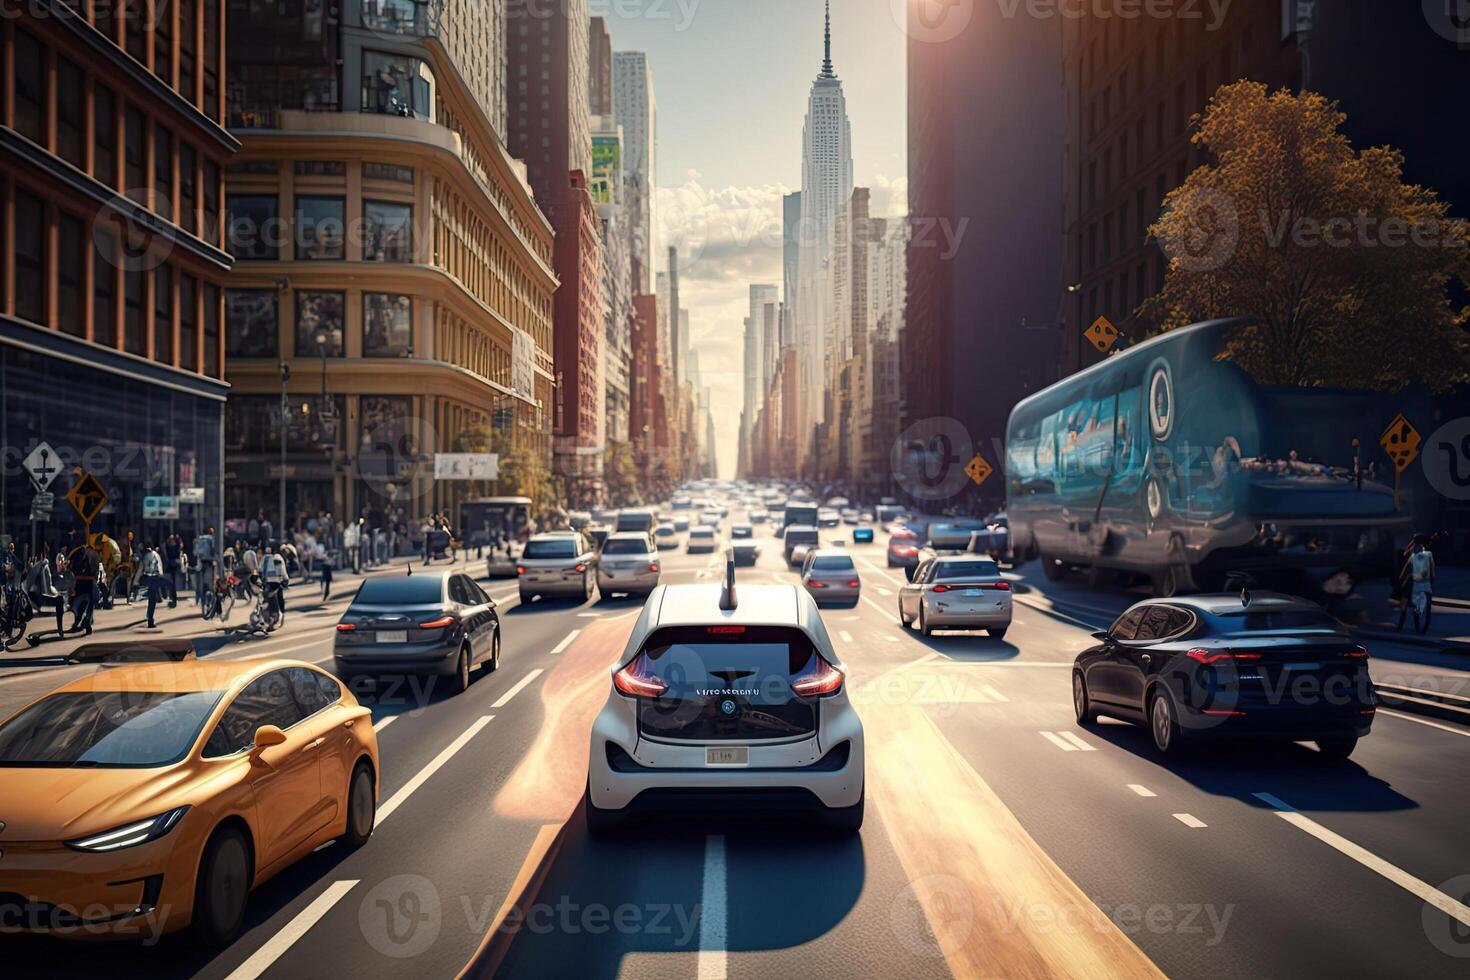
129	835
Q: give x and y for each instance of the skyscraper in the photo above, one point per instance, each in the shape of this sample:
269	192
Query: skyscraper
826	185
637	113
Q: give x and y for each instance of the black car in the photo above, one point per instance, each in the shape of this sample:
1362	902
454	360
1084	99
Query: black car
1238	666
427	623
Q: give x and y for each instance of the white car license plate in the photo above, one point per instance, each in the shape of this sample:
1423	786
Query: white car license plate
731	755
973	593
393	636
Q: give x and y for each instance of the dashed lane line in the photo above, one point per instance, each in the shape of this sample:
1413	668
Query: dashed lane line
1060	743
1143	791
566	641
264	957
713	958
1073	739
1190	820
423	775
520	686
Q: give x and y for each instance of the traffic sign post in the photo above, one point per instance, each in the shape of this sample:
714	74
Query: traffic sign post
978	469
87	498
42	466
1401	441
1102	334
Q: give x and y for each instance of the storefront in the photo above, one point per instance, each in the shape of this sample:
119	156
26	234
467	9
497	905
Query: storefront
147	432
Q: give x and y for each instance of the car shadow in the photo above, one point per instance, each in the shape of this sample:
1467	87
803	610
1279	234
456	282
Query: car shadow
967	646
1241	768
546	605
613	602
172	955
654	872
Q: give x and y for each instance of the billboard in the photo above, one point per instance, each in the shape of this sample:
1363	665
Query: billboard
607	166
466	466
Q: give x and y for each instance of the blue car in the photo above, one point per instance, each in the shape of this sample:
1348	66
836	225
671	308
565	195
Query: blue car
862	535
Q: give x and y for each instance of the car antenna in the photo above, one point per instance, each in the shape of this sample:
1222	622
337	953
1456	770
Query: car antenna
727	593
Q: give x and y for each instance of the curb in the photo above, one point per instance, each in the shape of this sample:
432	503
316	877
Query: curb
1441	644
490	955
1432	704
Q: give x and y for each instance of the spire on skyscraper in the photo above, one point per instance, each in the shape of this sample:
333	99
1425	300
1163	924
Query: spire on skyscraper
827	71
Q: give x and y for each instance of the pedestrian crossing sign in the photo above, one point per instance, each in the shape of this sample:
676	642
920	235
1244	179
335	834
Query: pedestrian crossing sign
87	498
1102	334
1401	441
978	469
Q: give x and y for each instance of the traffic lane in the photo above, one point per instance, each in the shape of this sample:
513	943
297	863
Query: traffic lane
1088	818
413	731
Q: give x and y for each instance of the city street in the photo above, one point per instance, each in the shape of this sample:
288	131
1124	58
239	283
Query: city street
1002	838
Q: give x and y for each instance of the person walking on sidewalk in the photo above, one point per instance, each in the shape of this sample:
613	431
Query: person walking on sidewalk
326	569
206	561
275	576
41	588
174	562
86	566
150	575
1416	585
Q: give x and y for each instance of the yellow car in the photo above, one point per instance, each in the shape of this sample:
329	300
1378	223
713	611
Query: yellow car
151	797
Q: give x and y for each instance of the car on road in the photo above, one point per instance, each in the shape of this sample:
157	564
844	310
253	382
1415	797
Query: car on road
158	795
562	563
850	515
759	516
830	576
797	535
862	535
956	592
1264	666
745	553
952	535
739	531
729	699
903	548
636	519
666	537
629	563
438	623
710	518
681	524
827	517
578	520
702	540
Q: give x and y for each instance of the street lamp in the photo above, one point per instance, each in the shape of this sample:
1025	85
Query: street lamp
329	418
285	424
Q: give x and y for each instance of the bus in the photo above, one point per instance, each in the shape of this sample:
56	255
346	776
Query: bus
1169	462
487	519
799	513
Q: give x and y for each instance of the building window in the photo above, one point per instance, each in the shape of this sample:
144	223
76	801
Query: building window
211	62
188	189
211	330
135	327
320	168
104	135
321	230
211	202
396	85
319	319
188	324
70	113
135	176
251	323
254	228
163	45
71	262
163	172
135	22
387	171
387	329
163	314
386	425
104	288
387	232
30	257
187	21
30	87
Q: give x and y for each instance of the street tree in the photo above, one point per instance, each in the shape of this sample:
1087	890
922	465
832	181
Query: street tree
1345	269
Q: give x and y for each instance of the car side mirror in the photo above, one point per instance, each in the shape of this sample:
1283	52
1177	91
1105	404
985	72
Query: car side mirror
1104	636
267	736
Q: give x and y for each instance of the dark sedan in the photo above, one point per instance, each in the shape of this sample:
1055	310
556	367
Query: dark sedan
428	623
1264	667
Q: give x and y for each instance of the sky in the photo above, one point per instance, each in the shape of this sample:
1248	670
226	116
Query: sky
731	80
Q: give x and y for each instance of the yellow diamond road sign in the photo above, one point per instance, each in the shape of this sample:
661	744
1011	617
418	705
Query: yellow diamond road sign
978	470
1401	441
87	497
1102	334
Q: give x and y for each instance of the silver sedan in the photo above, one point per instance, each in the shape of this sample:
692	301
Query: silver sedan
629	564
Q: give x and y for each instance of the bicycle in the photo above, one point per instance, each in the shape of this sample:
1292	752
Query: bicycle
265	616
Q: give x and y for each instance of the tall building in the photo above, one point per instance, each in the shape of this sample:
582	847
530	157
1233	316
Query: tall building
826	184
599	68
637	112
112	153
985	119
388	252
551	130
676	326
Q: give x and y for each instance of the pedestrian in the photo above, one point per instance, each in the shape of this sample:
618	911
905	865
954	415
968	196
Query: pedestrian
206	561
66	589
150	576
41	589
86	566
1417	584
275	577
326	564
173	560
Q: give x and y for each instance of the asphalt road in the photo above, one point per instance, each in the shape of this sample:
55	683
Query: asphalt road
1001	839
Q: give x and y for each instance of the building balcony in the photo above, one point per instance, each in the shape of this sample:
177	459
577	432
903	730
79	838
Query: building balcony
409	18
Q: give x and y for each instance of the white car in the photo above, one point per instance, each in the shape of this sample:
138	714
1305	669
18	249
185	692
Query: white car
722	692
628	563
702	540
956	592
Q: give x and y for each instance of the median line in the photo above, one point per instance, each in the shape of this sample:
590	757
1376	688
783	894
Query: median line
713	960
566	641
520	686
424	774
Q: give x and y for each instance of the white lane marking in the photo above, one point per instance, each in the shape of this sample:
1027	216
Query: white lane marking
422	776
1190	820
889	639
845	636
1421	721
880	570
566	641
1058	742
588	615
520	685
1414	886
883	591
993	693
713	926
1081	745
262	959
886	613
1143	791
383	723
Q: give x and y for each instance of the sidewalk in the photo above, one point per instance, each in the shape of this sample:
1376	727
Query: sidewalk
125	621
1449	625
